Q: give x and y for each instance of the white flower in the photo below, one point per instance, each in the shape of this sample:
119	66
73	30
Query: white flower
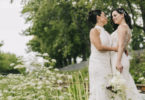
118	83
69	76
140	45
45	54
50	67
56	69
58	3
61	97
74	3
9	97
90	0
53	60
86	79
46	61
86	3
59	75
39	87
53	78
141	79
12	64
42	97
48	71
19	67
1	94
59	81
40	83
59	88
47	82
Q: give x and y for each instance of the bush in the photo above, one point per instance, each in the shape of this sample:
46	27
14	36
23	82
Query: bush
7	63
138	68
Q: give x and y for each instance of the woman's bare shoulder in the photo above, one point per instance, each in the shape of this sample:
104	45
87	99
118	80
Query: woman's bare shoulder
95	31
123	27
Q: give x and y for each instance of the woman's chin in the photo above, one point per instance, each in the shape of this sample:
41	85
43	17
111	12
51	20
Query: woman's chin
116	22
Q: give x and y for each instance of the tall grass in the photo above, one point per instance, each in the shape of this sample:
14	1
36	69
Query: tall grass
45	84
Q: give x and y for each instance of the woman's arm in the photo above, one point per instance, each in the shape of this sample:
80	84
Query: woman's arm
121	46
95	39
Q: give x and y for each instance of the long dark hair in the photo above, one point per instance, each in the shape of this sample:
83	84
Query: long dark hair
126	17
92	16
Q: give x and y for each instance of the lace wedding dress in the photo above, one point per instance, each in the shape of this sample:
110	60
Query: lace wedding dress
99	69
131	91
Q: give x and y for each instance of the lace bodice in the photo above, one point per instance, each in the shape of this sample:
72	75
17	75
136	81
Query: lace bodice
114	38
105	40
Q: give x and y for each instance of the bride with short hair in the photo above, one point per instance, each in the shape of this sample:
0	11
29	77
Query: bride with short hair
99	62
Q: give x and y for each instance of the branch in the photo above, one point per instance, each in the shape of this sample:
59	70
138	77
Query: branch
130	7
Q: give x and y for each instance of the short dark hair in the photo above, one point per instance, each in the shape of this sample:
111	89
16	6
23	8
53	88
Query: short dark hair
126	16
92	16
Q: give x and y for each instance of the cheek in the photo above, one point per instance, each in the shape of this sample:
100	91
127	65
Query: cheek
114	18
119	17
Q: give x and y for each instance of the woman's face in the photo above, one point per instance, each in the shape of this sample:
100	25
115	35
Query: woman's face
103	18
117	18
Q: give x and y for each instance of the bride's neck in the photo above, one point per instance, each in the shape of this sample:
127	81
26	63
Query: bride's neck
99	24
123	22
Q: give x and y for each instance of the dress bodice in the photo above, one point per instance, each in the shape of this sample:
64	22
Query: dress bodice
105	40
114	38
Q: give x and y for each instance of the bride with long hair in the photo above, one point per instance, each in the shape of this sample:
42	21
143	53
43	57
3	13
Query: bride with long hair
121	22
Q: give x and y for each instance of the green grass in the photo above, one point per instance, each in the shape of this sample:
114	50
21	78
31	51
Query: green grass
45	84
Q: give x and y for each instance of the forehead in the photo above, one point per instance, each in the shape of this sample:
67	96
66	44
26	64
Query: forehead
114	12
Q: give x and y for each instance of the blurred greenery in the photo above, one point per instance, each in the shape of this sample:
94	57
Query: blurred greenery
7	63
138	68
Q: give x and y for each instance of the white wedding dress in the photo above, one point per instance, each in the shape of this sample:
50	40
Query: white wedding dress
99	69
131	92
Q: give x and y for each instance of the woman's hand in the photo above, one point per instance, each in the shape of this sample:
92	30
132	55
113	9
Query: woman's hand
119	67
115	49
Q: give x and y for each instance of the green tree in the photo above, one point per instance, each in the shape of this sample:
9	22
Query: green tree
60	27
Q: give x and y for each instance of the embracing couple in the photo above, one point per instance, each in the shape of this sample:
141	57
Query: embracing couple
108	56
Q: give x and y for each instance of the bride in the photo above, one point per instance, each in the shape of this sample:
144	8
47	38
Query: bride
99	62
121	22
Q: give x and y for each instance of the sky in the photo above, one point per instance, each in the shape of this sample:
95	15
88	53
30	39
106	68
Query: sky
11	25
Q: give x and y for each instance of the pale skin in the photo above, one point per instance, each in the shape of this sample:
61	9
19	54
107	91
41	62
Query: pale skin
95	35
122	33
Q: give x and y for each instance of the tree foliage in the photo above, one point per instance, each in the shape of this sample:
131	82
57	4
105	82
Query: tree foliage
60	27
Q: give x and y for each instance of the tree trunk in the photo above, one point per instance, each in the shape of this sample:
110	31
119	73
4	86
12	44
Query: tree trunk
75	61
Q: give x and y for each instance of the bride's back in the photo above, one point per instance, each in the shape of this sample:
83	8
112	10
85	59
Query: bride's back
114	37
